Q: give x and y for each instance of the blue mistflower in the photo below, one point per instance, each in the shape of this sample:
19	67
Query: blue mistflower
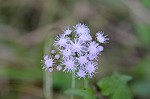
101	38
82	60
59	67
67	31
91	69
61	41
48	62
69	65
81	29
76	46
57	56
66	52
81	73
77	52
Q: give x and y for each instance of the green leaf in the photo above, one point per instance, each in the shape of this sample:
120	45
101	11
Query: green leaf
141	88
85	93
116	86
59	83
146	3
143	32
122	92
142	70
21	74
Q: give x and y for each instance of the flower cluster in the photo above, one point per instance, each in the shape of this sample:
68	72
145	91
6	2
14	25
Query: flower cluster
76	51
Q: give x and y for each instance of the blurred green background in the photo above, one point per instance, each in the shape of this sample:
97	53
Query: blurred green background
25	24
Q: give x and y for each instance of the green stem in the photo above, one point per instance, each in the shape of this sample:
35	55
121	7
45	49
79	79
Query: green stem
48	80
86	83
73	84
73	80
48	85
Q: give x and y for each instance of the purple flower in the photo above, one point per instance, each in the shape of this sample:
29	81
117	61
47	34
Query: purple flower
76	46
50	70
81	29
67	31
81	73
82	60
69	65
47	62
61	40
85	37
66	53
101	38
93	49
91	68
59	67
53	51
57	56
78	51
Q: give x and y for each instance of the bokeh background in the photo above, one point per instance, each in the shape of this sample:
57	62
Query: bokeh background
25	24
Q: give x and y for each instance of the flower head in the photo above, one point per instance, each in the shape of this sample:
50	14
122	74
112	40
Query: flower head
77	52
69	65
59	67
47	62
62	40
82	60
93	48
67	31
76	46
50	70
85	37
101	38
91	69
53	51
81	29
81	73
57	56
66	52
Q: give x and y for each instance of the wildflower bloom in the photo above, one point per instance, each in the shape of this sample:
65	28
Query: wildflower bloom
76	46
82	60
61	40
57	56
81	29
66	53
101	38
53	51
91	68
85	37
69	65
76	52
67	31
46	57
81	73
100	48
59	67
47	62
50	69
93	49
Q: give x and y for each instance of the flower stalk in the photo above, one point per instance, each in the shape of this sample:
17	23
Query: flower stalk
73	83
48	80
48	85
86	83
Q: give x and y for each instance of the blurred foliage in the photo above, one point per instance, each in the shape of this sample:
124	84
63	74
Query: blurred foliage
25	25
116	86
141	86
85	93
144	33
146	3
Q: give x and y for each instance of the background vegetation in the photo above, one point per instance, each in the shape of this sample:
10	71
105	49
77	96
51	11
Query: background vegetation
124	65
